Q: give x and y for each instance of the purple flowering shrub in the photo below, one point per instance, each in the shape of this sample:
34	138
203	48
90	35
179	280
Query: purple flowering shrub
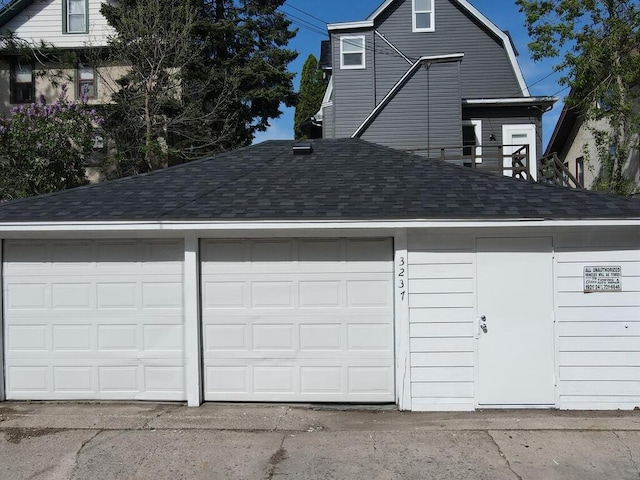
43	146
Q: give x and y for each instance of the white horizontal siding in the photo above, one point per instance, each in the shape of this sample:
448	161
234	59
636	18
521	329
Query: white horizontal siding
598	333
42	22
442	305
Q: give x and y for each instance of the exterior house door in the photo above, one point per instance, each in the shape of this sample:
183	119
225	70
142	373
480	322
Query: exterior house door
516	364
514	137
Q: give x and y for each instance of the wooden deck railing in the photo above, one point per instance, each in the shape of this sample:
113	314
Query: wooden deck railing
552	170
512	160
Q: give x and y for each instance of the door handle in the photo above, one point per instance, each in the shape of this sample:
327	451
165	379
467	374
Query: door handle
482	326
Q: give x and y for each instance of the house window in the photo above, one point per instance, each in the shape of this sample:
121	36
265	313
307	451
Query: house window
75	16
580	170
423	16
352	52
86	82
22	83
472	139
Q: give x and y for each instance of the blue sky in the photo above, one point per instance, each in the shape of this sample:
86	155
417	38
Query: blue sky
504	13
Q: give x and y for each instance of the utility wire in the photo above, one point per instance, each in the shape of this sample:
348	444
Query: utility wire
324	22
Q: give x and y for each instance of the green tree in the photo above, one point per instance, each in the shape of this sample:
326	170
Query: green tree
43	147
312	89
204	76
596	44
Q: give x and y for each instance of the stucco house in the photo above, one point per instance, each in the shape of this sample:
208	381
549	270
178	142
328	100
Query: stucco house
574	146
333	271
435	77
54	43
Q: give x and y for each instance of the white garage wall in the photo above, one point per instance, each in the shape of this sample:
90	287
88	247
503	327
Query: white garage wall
598	333
442	313
94	319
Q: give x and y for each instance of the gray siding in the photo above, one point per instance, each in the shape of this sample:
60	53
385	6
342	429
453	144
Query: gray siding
486	70
353	89
328	122
425	113
493	118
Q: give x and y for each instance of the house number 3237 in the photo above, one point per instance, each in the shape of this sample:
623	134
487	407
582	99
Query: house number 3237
402	278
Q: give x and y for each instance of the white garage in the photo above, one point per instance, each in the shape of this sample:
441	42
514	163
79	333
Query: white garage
351	273
298	320
94	319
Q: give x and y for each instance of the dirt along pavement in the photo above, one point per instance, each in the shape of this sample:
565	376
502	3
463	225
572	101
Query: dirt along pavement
225	441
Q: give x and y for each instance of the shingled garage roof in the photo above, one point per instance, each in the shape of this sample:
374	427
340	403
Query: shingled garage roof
346	179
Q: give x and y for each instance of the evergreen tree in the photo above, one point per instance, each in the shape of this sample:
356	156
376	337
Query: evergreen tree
312	88
204	76
596	45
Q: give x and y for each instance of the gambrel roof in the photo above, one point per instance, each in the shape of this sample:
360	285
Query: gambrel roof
472	11
340	180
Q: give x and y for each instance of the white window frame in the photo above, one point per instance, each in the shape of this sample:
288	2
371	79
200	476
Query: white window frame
67	29
477	127
415	11
342	52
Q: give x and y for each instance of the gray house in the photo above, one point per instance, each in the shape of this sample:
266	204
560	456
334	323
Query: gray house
432	76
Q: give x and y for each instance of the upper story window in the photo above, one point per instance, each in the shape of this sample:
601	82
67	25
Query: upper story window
22	83
76	16
352	52
423	16
86	82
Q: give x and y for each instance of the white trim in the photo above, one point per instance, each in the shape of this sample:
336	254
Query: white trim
431	12
509	101
2	370
218	226
363	65
392	46
401	320
349	25
369	23
533	150
326	101
409	73
477	127
192	329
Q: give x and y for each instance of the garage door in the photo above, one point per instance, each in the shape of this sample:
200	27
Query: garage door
94	320
298	320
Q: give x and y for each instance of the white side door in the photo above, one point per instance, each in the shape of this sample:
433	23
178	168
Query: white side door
516	136
516	351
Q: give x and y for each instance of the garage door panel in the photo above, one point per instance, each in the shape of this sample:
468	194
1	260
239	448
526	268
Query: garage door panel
94	319
332	381
287	320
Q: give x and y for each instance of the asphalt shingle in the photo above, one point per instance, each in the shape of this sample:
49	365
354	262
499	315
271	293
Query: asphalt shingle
343	179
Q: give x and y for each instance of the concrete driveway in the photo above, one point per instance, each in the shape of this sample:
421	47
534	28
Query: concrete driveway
220	441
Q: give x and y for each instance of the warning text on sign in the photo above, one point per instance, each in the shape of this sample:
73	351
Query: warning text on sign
602	279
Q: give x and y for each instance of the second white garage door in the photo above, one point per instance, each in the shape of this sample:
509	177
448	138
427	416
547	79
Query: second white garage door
298	320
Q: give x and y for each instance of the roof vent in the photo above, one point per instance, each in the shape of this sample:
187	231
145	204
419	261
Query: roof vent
302	148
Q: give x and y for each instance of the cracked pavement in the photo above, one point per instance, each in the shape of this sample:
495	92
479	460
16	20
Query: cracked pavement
245	441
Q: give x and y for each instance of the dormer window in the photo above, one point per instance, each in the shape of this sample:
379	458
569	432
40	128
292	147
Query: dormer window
352	52
423	16
76	16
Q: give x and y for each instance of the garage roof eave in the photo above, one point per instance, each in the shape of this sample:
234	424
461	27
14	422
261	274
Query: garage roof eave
190	226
